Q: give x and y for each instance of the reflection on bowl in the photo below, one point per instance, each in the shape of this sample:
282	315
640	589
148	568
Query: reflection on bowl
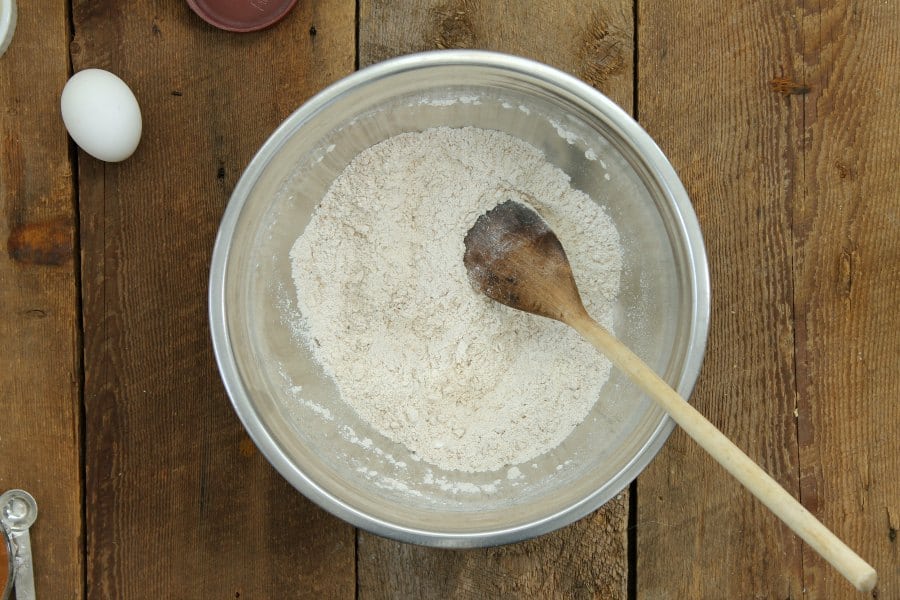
293	412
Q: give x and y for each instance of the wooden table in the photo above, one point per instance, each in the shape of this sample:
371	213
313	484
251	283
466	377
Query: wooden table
781	120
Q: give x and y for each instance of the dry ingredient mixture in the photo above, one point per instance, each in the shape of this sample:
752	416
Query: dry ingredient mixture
465	383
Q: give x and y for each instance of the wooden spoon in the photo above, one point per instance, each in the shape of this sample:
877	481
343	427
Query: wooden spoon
513	257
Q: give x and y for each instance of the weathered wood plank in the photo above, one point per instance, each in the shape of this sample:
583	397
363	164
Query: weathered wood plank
585	560
704	93
588	559
592	41
179	502
847	283
40	353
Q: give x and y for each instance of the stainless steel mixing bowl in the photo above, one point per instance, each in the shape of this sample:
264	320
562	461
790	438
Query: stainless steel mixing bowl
292	411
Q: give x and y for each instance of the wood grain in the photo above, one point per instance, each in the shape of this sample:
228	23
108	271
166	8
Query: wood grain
588	559
180	503
40	354
585	560
847	283
818	170
704	94
592	41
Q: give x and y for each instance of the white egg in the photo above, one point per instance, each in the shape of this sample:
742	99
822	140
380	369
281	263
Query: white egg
101	114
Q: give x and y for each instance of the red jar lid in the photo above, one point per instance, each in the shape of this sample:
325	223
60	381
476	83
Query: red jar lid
241	15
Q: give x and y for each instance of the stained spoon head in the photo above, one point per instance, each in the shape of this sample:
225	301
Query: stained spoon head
513	257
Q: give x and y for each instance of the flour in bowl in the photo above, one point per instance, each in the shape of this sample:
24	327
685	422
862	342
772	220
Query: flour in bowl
388	312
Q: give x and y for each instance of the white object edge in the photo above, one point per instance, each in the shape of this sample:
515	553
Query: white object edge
7	23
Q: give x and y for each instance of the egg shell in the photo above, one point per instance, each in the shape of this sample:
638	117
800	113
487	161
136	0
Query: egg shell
101	114
7	23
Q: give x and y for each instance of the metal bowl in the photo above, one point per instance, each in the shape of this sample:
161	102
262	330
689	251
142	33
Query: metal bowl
293	412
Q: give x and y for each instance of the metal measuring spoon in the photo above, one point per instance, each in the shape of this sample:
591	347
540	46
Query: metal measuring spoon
18	511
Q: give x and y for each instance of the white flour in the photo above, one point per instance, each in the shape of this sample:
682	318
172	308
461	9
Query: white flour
388	312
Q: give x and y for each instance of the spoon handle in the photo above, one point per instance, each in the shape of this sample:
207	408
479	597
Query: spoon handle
723	450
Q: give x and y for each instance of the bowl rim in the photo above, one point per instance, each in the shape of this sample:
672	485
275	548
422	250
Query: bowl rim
623	125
